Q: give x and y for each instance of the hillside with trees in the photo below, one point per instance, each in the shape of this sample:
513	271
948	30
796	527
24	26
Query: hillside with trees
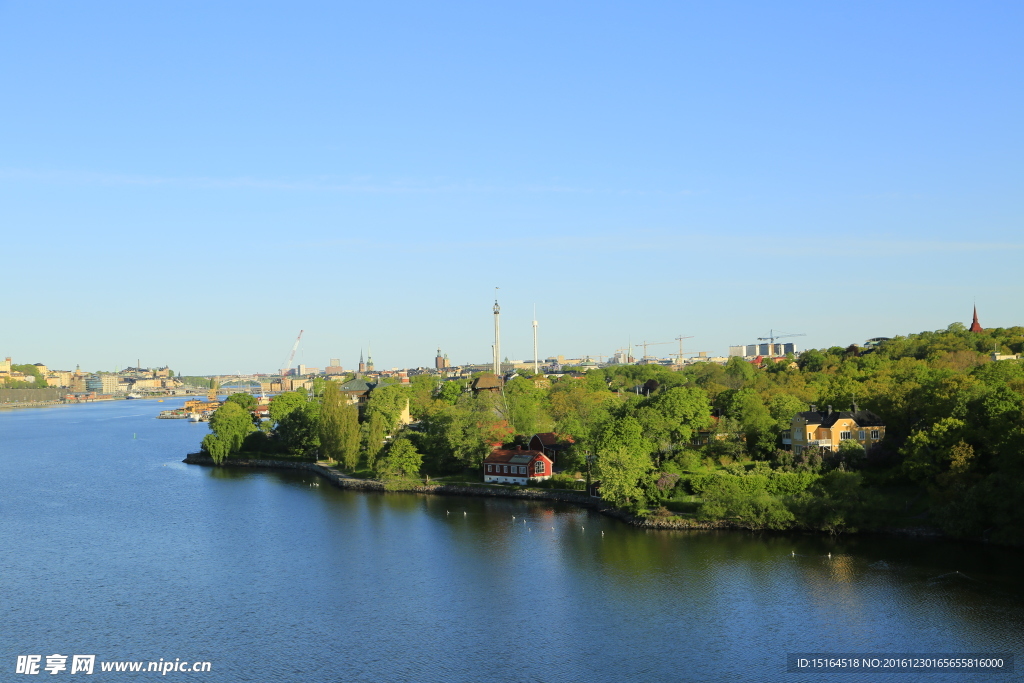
706	442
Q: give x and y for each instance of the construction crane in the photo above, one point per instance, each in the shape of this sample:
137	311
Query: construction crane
679	358
647	343
772	336
291	356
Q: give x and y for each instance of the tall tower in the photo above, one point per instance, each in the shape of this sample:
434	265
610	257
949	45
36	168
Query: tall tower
497	337
536	368
439	360
369	359
362	364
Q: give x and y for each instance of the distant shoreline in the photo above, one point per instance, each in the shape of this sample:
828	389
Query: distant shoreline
46	404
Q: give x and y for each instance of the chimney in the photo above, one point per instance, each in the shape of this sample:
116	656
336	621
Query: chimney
814	408
830	410
854	407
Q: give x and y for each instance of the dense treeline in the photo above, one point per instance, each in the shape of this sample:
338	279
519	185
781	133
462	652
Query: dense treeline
707	441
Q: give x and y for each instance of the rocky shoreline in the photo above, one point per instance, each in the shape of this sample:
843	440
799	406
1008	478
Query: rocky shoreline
562	496
671	523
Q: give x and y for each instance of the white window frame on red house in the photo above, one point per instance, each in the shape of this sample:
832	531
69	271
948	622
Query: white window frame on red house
539	467
490	468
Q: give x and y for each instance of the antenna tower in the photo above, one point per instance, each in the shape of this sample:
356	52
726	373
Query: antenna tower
497	335
535	363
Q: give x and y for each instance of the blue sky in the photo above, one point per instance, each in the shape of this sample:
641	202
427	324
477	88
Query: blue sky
192	183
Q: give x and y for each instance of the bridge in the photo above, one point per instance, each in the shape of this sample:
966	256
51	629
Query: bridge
234	384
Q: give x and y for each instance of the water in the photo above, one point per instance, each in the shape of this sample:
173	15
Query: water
111	546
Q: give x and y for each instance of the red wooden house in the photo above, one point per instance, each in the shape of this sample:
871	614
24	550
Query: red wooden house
516	466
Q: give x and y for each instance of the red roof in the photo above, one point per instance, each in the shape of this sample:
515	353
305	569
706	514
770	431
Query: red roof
547	438
514	455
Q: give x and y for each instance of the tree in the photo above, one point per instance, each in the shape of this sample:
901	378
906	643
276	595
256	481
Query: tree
230	424
284	403
401	460
623	462
422	390
246	400
756	422
339	428
299	430
675	415
526	406
622	473
738	372
451	391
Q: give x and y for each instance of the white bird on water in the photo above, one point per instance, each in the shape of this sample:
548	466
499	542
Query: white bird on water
830	556
793	553
463	513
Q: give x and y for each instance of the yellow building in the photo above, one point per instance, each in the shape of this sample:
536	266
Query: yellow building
828	428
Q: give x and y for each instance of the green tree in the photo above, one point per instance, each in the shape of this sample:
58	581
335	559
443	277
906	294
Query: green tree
401	460
451	390
339	428
527	406
299	430
284	403
756	421
230	424
623	462
245	400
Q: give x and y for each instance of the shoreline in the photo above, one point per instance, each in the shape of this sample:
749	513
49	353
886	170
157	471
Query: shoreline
580	499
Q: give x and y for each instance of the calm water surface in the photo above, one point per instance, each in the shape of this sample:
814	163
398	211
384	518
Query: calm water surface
111	546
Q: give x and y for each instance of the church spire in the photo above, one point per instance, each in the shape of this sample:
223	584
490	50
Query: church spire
975	326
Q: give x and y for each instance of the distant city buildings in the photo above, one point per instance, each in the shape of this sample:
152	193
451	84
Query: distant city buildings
755	350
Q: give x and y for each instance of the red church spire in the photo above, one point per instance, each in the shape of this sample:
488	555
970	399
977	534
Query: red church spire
975	326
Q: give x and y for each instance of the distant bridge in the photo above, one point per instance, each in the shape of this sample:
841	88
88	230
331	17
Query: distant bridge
233	384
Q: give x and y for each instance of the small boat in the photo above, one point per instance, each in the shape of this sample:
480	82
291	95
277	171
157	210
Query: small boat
194	417
133	395
177	414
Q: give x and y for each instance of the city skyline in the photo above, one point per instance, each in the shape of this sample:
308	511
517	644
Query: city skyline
194	187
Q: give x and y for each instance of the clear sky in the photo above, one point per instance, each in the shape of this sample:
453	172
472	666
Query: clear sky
192	183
